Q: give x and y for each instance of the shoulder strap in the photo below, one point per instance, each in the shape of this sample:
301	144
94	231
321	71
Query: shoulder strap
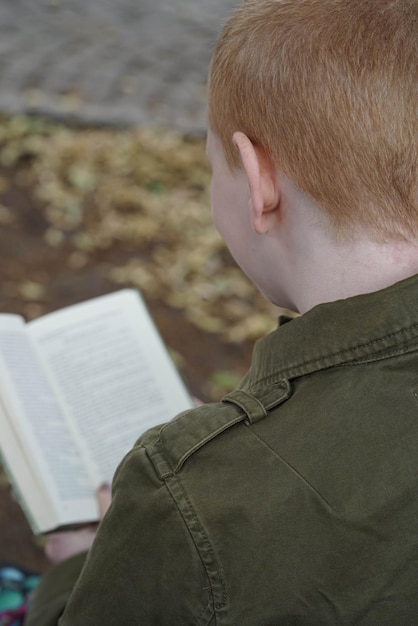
257	404
191	430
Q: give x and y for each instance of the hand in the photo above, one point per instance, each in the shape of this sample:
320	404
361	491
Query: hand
63	545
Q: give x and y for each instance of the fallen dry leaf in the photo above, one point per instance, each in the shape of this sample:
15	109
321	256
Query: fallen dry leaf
145	190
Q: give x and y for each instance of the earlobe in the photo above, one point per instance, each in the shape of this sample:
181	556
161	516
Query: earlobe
262	182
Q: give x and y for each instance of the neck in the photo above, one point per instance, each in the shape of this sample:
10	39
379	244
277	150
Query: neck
339	271
315	266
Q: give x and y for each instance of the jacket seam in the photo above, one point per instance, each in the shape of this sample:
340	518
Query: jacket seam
296	371
200	539
205	615
293	469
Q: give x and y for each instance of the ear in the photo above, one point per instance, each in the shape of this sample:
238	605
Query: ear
262	181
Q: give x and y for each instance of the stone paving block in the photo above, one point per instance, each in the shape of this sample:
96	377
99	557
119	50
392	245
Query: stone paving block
105	62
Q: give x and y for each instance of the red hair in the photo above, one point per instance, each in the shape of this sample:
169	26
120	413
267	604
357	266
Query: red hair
329	89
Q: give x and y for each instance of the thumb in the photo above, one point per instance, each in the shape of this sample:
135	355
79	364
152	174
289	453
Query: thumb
104	498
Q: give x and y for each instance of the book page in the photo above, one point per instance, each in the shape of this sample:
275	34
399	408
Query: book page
27	488
45	460
112	374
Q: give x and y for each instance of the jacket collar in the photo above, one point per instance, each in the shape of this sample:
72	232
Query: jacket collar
359	329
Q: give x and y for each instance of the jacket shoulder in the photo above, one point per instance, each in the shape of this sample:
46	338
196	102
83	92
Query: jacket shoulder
169	446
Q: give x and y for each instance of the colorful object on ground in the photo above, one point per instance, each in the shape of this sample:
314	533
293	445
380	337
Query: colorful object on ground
16	586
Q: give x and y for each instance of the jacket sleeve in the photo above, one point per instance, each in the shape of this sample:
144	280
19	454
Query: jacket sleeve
53	591
143	567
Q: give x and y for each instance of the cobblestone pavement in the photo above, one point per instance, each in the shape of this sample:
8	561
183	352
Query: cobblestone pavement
133	62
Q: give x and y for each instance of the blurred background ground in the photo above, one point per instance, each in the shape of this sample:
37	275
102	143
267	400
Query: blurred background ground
130	62
87	211
108	189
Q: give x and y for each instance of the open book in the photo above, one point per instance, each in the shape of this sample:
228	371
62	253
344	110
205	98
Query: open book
77	388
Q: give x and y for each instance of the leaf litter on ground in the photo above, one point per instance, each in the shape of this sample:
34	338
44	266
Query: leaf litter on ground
147	190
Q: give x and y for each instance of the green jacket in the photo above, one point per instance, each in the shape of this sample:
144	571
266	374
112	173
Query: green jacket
293	501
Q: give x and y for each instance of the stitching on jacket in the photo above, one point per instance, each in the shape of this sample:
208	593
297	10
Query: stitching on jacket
200	539
294	470
206	614
212	435
358	347
294	371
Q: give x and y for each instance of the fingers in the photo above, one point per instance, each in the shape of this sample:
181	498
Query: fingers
64	545
104	498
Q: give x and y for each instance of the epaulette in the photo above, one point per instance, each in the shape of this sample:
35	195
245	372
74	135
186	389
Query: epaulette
183	436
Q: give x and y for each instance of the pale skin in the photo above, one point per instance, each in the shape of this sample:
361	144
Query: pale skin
288	247
63	545
285	243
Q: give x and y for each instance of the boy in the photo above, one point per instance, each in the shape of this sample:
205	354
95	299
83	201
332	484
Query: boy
295	499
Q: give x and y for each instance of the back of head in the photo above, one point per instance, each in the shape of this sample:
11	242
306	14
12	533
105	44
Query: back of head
329	89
